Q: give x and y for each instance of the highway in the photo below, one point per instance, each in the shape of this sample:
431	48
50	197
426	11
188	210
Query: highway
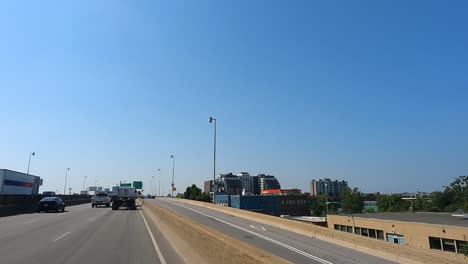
83	234
284	244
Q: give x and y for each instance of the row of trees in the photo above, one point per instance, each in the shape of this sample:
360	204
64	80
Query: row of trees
195	193
352	202
454	197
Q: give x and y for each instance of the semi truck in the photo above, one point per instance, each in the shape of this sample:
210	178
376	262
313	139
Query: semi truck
124	197
14	182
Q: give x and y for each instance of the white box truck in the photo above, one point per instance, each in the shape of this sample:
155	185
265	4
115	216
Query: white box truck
14	182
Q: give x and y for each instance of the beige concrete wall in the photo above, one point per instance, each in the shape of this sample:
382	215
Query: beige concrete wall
415	234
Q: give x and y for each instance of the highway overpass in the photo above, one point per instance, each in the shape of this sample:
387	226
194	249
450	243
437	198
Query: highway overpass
100	235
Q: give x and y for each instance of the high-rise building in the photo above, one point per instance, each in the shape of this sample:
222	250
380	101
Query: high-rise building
256	186
242	184
247	183
229	183
332	188
208	186
268	182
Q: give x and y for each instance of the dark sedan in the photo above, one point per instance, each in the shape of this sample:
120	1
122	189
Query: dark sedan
51	204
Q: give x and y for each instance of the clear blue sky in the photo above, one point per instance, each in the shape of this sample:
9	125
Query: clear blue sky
373	92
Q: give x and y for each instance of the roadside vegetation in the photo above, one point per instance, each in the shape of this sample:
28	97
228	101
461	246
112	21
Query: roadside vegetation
195	193
453	198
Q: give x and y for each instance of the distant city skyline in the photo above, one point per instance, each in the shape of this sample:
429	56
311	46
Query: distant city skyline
371	93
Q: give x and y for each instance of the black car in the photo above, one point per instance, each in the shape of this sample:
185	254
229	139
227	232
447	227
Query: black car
51	204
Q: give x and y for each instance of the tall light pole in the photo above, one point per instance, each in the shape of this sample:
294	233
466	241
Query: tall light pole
152	184
326	192
29	163
159	185
66	175
84	183
172	185
214	156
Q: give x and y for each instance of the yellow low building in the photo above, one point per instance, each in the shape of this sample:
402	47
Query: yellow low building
431	231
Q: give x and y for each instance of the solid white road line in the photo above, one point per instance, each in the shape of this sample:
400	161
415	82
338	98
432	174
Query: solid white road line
31	221
305	254
62	236
155	244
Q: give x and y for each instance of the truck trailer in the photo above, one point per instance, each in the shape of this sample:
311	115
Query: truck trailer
14	182
123	197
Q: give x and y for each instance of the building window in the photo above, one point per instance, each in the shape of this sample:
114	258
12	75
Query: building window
364	232
380	235
448	245
462	247
349	229
434	243
395	238
372	233
343	228
357	230
337	227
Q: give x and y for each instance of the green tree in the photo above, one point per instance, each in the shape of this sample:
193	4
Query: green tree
392	203
187	193
204	197
424	204
352	201
195	192
369	210
294	192
319	207
383	202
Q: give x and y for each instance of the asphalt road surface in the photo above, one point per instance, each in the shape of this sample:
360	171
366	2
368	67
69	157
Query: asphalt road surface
83	235
284	244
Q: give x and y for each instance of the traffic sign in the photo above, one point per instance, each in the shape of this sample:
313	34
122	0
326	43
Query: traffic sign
138	184
125	185
174	189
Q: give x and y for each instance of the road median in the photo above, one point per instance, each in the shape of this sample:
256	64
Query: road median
197	243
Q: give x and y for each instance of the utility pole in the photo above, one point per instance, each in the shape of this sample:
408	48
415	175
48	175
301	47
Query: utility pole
172	185
159	185
214	156
65	186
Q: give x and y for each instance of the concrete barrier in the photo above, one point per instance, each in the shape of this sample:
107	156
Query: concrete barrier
383	249
24	204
